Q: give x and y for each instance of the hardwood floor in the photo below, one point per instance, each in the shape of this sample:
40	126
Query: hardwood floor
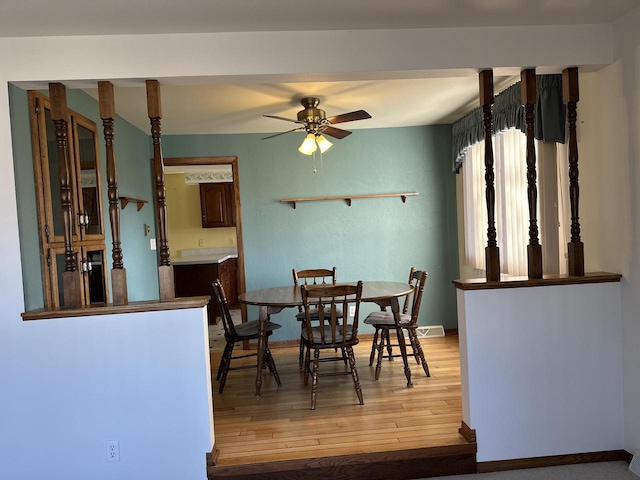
279	434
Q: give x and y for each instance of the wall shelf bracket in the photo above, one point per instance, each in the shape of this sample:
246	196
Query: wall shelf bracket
124	201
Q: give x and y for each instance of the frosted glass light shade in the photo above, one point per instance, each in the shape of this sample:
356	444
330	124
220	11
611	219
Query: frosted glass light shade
323	143
308	145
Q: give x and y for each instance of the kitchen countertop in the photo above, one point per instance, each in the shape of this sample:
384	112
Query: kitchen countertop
202	256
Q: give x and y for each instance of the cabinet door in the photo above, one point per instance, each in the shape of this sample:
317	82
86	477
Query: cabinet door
196	280
217	205
227	279
87	220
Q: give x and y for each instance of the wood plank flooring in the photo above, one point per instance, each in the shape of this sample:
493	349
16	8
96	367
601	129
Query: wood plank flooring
281	427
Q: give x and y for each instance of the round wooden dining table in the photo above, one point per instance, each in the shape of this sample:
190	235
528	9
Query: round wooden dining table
274	300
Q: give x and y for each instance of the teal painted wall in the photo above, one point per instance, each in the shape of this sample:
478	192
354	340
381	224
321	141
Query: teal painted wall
374	239
134	179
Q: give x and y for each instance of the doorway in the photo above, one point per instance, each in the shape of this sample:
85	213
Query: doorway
237	210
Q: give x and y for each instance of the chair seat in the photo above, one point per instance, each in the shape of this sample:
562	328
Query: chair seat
252	327
386	319
314	314
327	334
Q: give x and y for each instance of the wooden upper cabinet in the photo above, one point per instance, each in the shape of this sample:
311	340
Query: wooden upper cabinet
217	205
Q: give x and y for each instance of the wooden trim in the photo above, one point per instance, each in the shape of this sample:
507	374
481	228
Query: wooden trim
485	78
546	280
467	432
39	151
212	456
109	309
402	464
552	461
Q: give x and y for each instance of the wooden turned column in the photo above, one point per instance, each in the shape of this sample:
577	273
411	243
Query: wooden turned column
118	272
72	292
528	98
492	252
165	270
571	96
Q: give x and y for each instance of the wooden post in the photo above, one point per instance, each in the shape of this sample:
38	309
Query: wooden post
72	292
492	252
529	99
165	270
571	96
118	272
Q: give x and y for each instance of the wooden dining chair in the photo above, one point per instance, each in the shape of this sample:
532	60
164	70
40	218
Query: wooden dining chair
237	333
383	321
314	276
328	332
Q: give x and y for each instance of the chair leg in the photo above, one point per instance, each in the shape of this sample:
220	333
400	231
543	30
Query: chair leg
403	354
354	374
227	362
314	382
272	365
380	348
413	339
301	354
389	348
307	363
222	360
418	351
374	345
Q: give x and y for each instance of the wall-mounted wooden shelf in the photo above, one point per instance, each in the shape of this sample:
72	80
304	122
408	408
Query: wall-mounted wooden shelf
124	201
348	198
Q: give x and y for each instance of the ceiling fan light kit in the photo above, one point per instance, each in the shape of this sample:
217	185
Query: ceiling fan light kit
323	143
314	121
308	144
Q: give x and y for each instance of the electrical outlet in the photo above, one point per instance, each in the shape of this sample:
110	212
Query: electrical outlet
113	451
201	242
352	311
147	229
231	242
152	243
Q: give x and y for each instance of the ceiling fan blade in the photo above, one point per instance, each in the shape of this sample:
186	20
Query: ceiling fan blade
281	118
335	132
282	133
349	117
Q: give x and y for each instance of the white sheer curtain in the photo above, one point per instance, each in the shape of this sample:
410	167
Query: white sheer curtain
512	212
475	206
564	208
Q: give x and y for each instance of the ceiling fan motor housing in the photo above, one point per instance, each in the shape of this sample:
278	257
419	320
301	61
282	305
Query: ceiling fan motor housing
312	117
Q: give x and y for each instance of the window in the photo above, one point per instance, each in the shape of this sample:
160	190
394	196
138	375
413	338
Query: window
512	206
88	227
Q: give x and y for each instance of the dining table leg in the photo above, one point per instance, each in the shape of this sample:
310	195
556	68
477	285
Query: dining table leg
395	308
263	317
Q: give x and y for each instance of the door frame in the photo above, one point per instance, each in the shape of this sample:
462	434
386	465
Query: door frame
233	161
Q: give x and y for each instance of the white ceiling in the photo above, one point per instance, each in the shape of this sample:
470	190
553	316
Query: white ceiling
238	107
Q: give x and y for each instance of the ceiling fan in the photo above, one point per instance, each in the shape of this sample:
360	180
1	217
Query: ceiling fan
315	122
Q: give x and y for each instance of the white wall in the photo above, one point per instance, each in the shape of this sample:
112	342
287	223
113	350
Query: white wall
142	379
542	370
618	89
231	58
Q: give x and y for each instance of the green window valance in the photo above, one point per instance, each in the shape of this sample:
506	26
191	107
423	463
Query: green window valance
508	112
